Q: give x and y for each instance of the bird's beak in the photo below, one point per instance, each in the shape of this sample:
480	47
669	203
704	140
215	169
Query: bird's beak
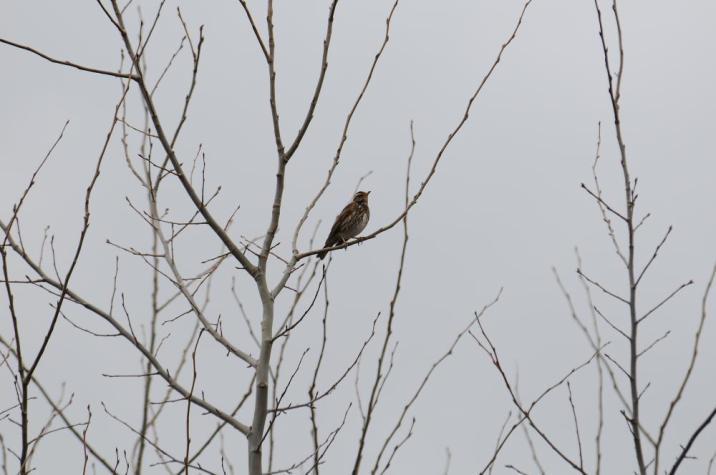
367	192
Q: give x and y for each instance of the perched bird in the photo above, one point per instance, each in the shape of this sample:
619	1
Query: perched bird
350	222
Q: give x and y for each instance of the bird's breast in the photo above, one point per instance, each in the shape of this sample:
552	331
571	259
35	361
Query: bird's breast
356	223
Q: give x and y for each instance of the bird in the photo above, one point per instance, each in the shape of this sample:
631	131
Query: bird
349	222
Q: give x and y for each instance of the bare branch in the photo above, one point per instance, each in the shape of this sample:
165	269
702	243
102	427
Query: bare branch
656	253
602	202
576	424
69	63
666	299
685	381
600	287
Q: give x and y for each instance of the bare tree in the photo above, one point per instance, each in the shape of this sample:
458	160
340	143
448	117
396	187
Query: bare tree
271	346
153	157
648	432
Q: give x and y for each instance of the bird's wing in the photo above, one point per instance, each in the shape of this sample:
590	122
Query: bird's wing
341	220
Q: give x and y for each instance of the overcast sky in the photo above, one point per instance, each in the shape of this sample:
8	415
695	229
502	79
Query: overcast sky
504	207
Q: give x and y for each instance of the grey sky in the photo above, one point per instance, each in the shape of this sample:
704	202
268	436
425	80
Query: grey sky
504	207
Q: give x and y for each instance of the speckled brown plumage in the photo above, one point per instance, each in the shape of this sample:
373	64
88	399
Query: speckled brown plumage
350	222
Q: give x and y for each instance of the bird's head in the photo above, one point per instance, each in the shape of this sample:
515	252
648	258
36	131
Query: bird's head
361	197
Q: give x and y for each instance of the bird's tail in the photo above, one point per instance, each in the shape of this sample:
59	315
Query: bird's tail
331	241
